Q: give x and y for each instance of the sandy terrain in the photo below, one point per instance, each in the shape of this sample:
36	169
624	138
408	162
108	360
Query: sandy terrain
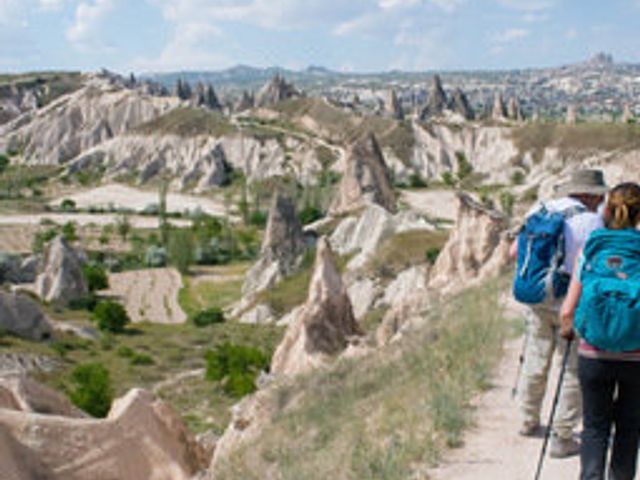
122	196
493	449
433	203
16	239
149	295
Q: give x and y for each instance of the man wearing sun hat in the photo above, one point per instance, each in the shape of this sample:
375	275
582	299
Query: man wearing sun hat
577	199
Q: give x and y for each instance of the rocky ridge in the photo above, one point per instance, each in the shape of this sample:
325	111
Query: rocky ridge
61	279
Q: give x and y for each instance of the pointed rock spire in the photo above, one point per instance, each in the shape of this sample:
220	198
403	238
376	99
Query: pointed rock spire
572	115
322	327
392	105
460	104
366	179
514	111
627	114
276	91
499	111
437	101
61	279
245	102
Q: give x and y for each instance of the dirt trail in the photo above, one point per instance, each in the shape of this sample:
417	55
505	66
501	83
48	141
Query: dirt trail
493	449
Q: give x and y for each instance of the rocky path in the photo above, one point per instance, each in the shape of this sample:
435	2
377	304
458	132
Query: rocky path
493	449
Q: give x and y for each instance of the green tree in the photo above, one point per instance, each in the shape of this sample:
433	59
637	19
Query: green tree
111	316
123	227
92	390
209	317
69	232
96	277
4	162
162	213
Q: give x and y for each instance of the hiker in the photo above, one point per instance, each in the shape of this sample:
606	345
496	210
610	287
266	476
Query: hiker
609	348
572	217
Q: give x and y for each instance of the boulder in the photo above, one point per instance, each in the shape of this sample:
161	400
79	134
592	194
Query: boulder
142	438
282	247
366	179
323	326
277	90
476	250
460	104
61	279
21	316
23	394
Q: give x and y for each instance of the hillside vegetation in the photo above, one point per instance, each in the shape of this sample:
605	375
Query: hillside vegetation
387	415
188	122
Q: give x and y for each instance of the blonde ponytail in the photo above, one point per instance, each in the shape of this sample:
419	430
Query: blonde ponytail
623	205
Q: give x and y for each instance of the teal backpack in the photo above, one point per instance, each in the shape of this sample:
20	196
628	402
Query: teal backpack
608	315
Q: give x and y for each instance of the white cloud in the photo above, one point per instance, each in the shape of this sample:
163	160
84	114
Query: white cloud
448	6
51	4
85	33
528	5
571	34
389	4
509	35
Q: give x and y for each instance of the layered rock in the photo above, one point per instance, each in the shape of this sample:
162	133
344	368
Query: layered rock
282	247
277	90
460	105
392	105
366	179
498	111
22	316
476	250
17	392
74	123
142	438
322	328
437	101
19	462
61	279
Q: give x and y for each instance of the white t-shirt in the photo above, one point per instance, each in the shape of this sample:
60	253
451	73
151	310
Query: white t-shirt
577	228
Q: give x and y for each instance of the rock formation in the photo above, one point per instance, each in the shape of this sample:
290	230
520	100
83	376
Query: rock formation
17	462
499	111
18	392
61	278
22	316
437	100
514	112
245	102
282	247
79	121
142	438
366	179
460	104
275	91
392	105
571	116
476	250
627	114
13	269
322	328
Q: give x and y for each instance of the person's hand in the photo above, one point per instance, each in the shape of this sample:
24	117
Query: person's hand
567	332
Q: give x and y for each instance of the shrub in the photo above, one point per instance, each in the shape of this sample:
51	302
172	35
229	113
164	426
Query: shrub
517	177
4	162
141	359
416	181
432	254
464	167
447	179
209	317
181	250
86	302
68	205
155	257
258	218
96	277
111	316
236	366
92	391
69	232
310	214
507	201
42	238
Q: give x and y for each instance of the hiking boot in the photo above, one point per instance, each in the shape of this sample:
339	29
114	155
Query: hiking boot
563	447
531	430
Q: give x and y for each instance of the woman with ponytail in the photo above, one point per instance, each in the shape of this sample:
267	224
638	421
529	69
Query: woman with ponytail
603	305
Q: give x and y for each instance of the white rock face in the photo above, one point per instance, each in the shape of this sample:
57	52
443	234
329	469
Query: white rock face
22	316
363	294
79	121
409	282
259	315
322	328
476	250
142	438
61	279
17	392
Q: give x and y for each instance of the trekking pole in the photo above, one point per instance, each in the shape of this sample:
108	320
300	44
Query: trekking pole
523	352
556	398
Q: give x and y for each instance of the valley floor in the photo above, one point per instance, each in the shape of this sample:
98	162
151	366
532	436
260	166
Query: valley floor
493	449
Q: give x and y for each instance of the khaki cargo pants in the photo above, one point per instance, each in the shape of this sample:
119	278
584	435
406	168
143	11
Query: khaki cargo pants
544	340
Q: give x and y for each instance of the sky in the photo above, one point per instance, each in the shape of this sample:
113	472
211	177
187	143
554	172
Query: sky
346	35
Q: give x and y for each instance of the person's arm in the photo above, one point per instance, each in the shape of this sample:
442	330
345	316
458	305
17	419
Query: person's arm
570	303
513	250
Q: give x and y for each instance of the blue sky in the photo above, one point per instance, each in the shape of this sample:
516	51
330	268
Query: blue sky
348	35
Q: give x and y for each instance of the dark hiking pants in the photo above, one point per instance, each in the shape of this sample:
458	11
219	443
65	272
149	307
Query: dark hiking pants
611	398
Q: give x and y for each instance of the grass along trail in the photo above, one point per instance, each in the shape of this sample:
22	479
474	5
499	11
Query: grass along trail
492	447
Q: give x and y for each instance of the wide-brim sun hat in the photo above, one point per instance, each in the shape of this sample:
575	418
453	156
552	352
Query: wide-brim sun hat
585	182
